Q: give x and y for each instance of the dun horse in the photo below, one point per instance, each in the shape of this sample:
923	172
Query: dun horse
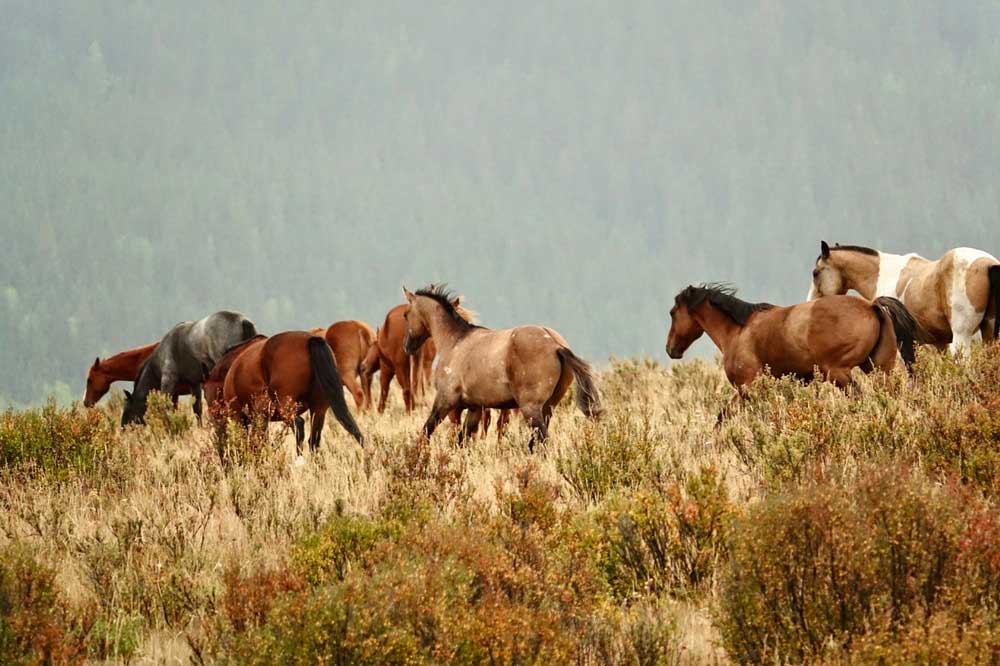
835	334
295	368
183	354
528	367
122	367
951	298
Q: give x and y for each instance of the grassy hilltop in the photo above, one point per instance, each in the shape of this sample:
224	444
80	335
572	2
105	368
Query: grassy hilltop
813	527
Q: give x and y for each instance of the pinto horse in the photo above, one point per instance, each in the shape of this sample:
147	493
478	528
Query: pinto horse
182	356
122	367
292	367
835	334
350	341
951	298
528	367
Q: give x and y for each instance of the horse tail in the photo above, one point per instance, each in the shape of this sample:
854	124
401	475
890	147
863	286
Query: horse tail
324	369
908	331
588	400
994	276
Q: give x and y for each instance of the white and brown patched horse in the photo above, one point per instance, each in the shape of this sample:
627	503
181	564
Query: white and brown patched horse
951	298
528	367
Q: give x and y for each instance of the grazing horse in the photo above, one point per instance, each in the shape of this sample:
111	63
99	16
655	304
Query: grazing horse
528	367
835	334
122	367
350	341
182	355
951	298
292	367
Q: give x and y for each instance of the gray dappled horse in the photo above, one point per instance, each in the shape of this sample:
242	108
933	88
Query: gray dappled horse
184	353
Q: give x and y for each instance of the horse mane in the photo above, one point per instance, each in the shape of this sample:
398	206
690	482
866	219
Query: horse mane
465	319
722	296
855	248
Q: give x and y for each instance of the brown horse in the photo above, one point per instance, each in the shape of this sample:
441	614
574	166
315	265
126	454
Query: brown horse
528	367
951	297
835	334
292	367
394	362
122	367
350	341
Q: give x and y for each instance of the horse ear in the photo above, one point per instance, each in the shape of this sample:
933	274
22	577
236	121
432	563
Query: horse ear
128	396
409	294
456	301
97	363
824	250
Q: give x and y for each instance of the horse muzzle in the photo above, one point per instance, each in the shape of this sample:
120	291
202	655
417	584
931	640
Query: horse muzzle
674	353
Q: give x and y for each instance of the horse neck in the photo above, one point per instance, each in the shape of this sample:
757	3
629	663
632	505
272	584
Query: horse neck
718	325
861	271
148	379
443	329
126	364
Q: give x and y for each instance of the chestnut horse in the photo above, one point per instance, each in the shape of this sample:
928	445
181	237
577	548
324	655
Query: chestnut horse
951	298
122	367
350	341
528	367
394	362
835	334
292	367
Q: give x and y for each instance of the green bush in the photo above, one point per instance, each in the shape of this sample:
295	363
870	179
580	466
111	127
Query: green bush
858	560
55	442
163	420
327	555
654	542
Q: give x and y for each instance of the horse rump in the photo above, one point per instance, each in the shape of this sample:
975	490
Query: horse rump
324	369
588	400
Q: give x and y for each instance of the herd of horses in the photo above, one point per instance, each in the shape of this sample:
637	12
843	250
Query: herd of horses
902	301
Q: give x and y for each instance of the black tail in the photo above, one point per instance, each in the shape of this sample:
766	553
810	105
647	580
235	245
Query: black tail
994	274
249	330
324	369
588	399
908	331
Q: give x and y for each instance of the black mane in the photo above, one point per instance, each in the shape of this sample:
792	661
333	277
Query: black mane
722	296
855	248
444	297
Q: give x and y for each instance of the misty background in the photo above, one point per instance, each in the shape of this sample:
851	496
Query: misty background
567	163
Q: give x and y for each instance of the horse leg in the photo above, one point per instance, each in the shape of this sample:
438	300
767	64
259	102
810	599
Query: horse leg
316	428
535	417
472	419
403	377
366	389
502	422
441	407
385	378
349	380
300	433
196	389
487	417
842	378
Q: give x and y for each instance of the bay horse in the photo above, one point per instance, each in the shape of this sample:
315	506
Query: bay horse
951	297
292	367
350	341
181	357
835	334
122	367
528	367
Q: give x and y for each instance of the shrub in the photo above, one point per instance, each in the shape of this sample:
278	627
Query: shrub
420	480
163	420
619	452
55	442
327	555
115	638
35	625
670	541
825	565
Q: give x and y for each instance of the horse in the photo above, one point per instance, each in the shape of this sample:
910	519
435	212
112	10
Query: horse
394	362
951	298
350	341
835	334
123	366
215	377
528	367
293	367
421	367
182	355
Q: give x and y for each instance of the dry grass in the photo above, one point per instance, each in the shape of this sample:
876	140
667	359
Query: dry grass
143	543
